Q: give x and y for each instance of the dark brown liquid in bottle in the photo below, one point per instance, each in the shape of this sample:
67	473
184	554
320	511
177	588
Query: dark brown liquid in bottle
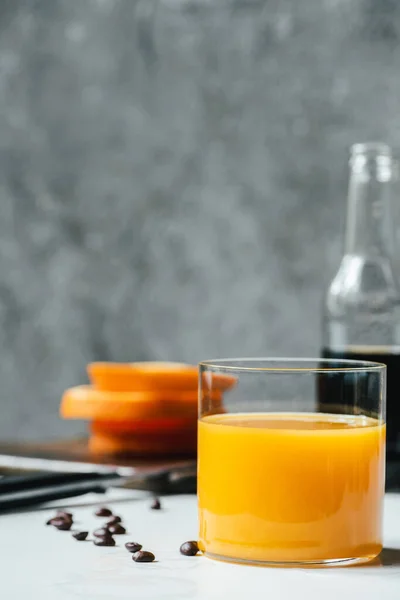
328	399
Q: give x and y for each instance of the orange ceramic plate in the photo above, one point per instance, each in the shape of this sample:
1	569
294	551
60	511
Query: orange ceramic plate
155	425
86	402
143	376
152	376
144	445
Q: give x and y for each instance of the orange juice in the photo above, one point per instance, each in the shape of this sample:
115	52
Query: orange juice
286	487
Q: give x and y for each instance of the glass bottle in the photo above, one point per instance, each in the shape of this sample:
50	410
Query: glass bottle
361	316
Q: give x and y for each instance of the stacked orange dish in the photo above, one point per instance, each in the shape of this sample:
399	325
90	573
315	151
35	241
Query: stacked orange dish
143	408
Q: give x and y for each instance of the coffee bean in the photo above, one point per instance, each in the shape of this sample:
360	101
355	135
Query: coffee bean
66	519
80	535
156	505
117	529
64	515
133	547
59	517
114	520
62	524
103	512
102	532
189	548
107	540
143	556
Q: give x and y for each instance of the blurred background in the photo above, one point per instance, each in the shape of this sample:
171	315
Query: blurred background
173	179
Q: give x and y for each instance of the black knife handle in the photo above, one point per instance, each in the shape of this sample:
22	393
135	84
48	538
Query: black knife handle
15	483
29	490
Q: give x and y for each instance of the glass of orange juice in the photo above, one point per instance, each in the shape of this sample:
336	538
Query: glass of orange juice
286	476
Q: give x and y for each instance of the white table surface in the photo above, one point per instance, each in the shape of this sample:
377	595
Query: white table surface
39	562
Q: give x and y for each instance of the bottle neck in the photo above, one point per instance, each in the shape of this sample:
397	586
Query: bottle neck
370	223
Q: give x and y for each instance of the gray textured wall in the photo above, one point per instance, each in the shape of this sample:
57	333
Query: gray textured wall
172	179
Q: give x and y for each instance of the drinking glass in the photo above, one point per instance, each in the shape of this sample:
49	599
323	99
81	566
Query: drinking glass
286	476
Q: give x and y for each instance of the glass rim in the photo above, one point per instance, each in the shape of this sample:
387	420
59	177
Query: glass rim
342	365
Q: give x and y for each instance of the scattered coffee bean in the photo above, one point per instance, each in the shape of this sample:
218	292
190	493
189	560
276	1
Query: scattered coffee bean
189	548
143	556
117	529
133	547
66	519
80	535
60	517
64	515
114	520
62	524
103	512
102	532
156	505
107	540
